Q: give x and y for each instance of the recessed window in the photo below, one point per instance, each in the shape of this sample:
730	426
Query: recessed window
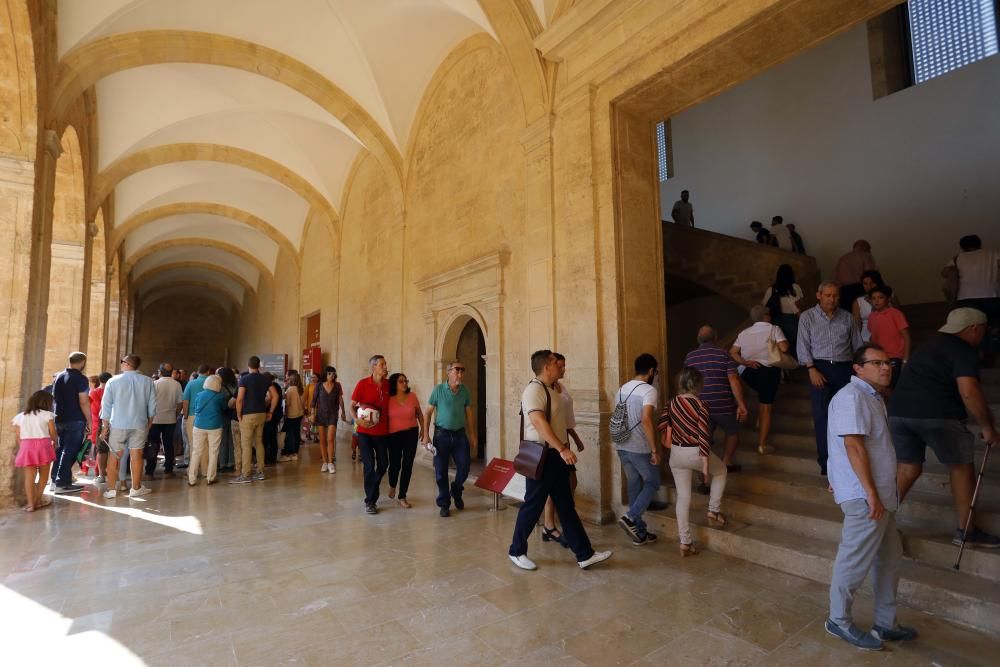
948	34
664	150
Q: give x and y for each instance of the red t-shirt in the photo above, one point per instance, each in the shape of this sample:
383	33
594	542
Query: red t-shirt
887	330
95	411
376	396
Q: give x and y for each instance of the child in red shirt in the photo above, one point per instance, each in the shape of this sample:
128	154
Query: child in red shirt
889	329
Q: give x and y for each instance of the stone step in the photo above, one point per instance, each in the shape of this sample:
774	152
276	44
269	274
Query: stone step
824	521
930	513
956	596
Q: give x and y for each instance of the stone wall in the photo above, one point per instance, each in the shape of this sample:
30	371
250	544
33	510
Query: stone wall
183	330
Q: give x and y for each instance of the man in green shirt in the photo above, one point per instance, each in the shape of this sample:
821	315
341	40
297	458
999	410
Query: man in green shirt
450	410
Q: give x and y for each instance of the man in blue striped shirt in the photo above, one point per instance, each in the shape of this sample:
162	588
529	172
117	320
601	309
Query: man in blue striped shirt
826	342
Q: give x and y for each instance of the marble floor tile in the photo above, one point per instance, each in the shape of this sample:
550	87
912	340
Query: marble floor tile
292	572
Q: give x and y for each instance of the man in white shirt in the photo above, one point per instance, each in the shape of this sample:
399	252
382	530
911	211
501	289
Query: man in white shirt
781	237
169	395
569	417
639	452
544	422
979	283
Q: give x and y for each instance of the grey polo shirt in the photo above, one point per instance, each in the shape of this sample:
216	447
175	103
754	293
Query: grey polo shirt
857	409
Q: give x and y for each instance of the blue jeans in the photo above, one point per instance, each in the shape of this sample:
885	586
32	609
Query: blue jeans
837	375
450	444
374	451
70	440
643	481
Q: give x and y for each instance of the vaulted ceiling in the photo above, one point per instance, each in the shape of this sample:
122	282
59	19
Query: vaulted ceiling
223	125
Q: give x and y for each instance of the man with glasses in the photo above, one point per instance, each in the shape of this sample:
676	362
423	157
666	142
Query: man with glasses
862	467
937	391
127	410
450	410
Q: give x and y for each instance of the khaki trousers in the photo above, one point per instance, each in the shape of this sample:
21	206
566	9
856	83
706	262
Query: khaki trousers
204	453
234	428
189	431
252	438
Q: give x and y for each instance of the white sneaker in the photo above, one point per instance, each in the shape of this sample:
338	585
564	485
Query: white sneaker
523	562
332	468
323	469
110	495
141	491
598	557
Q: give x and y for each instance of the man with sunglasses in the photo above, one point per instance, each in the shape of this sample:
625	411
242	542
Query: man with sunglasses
862	473
450	410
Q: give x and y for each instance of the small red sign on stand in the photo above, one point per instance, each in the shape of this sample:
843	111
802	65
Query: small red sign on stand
497	476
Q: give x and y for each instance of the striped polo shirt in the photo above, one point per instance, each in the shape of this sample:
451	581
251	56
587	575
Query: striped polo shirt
716	365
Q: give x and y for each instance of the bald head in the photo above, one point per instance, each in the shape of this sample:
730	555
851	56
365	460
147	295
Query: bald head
706	334
862	245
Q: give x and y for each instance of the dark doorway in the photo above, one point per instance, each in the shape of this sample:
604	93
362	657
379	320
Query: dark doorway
471	352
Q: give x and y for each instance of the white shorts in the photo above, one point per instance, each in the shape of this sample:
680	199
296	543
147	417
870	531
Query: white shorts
120	438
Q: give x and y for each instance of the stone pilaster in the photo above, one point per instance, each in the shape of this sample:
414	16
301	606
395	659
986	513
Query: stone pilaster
539	243
16	205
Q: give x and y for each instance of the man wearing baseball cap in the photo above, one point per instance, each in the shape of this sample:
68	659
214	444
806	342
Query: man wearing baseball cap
937	391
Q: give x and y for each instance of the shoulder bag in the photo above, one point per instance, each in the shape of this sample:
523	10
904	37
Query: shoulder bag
530	459
776	358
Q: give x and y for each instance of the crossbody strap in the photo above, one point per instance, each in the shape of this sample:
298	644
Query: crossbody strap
548	408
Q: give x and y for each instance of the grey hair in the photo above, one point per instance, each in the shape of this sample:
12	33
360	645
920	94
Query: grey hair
690	380
706	334
374	360
758	313
451	364
828	283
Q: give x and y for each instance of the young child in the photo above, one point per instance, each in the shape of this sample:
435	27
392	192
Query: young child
686	433
36	431
889	328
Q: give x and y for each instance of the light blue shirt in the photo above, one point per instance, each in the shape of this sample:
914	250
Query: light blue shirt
129	401
857	409
826	338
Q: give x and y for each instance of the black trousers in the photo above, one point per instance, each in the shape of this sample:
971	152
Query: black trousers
402	451
271	442
555	484
160	435
375	459
293	435
837	375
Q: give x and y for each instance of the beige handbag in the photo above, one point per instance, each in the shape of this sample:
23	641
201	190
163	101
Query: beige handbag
776	358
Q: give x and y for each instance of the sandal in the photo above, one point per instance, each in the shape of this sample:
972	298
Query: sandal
688	550
404	504
549	536
716	519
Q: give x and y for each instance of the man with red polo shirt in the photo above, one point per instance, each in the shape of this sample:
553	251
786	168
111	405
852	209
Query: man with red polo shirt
373	392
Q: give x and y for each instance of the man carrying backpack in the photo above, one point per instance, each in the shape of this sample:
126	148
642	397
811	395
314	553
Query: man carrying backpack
632	429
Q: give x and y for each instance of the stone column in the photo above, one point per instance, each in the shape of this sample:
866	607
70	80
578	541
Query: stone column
17	179
65	307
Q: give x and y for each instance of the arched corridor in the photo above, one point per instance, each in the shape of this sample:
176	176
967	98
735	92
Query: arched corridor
315	182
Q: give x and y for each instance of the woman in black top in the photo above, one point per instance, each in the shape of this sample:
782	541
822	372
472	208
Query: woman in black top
271	425
227	460
328	402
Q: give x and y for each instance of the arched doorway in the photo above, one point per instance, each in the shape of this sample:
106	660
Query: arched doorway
471	351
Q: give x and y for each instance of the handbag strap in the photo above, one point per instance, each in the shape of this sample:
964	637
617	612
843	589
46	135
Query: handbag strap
548	408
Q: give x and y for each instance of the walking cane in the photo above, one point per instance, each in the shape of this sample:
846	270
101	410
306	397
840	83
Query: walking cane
972	505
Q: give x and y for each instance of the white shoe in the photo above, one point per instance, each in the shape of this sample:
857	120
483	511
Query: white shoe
598	557
141	491
110	495
523	562
323	469
332	468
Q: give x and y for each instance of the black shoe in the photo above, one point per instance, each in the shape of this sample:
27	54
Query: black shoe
69	488
734	467
644	538
658	505
547	536
371	509
181	466
444	512
703	489
459	503
628	525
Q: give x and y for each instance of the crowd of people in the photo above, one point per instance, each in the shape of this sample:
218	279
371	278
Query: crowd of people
877	405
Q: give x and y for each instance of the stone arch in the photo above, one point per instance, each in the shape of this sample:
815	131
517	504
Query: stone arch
516	26
193	264
67	272
150	297
451	331
149	216
84	66
105	182
147	251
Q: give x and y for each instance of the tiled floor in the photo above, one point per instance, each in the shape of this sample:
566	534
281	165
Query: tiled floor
291	571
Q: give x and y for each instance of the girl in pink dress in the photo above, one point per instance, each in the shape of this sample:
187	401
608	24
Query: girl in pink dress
36	431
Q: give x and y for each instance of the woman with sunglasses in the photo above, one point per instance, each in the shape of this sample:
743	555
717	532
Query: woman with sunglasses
405	423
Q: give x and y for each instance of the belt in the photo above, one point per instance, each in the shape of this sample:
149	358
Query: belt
683	444
449	430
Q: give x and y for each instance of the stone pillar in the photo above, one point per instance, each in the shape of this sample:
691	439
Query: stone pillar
17	179
65	307
538	239
113	327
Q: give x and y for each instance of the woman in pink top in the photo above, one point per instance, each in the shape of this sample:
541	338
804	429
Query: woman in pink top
405	419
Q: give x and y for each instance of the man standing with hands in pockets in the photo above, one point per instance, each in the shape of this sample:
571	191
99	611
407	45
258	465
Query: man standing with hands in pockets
454	430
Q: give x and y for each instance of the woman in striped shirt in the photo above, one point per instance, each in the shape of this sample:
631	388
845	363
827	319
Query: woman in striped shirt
686	433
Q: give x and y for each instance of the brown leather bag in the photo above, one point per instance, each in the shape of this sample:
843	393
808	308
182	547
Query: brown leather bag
530	459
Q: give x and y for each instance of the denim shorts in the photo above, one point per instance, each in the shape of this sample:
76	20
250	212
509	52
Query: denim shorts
951	441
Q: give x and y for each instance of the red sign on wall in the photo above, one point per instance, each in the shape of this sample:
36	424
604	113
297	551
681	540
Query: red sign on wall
497	476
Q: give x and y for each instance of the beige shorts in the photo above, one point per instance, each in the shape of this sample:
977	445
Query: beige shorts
120	438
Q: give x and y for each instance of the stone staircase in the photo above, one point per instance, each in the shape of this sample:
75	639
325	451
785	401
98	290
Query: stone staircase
782	516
